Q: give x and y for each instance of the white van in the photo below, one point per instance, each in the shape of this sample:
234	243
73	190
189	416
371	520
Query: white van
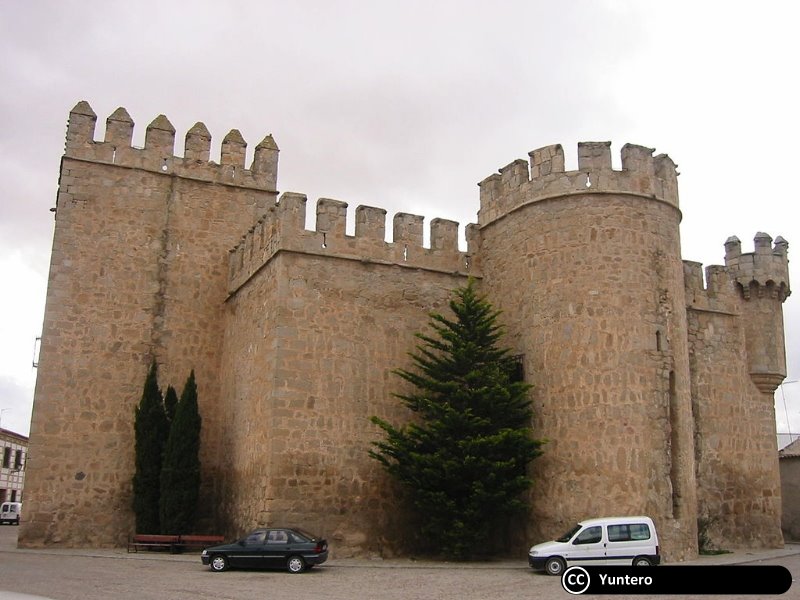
606	541
9	512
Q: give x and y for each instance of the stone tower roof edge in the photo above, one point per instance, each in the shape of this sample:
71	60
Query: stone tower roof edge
158	154
283	229
544	176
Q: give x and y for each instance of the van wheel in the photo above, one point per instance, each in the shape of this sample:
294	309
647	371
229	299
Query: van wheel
642	561
554	566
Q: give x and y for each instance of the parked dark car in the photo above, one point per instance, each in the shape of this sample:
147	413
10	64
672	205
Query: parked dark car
282	548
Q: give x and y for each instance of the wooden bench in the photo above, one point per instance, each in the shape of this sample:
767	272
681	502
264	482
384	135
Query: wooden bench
173	543
149	541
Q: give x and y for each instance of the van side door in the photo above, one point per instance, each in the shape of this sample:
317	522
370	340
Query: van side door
588	547
627	541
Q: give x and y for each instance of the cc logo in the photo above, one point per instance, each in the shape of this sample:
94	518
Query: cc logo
575	580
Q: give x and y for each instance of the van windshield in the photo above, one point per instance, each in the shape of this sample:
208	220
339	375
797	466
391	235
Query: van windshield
568	536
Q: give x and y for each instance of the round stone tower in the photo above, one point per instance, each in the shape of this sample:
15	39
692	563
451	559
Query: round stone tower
586	266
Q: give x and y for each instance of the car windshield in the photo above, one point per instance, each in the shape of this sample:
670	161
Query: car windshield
568	536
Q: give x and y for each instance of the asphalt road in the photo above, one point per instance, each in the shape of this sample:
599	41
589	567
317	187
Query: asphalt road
114	574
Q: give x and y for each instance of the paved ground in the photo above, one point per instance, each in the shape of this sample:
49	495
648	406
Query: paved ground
117	575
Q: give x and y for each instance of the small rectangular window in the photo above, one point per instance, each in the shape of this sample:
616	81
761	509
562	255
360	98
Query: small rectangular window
18	460
6	457
619	533
640	531
626	533
516	368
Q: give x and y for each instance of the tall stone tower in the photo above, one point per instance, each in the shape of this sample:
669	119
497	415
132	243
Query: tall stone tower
587	269
737	360
138	272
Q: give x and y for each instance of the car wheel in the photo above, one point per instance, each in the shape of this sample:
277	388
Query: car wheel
642	561
554	566
295	564
219	563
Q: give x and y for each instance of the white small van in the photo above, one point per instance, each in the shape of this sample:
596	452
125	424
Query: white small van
9	512
606	541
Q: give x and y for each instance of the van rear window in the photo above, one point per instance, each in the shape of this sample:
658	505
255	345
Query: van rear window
628	532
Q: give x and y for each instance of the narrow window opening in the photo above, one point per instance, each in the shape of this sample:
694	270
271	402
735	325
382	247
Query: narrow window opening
164	165
674	448
516	366
588	181
658	341
324	240
405	252
114	155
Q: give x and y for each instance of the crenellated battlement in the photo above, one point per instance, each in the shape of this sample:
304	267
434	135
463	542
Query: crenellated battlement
158	152
282	228
543	177
764	271
716	295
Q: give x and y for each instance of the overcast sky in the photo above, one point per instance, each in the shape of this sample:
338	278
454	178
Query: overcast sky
407	105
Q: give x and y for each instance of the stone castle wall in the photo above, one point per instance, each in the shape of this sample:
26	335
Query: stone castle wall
139	271
335	314
736	365
652	390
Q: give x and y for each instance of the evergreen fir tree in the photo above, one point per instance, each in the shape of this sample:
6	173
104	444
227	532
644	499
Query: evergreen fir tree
464	458
150	432
180	475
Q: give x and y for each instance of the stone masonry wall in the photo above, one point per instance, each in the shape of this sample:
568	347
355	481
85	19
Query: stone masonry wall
138	271
591	285
739	495
312	339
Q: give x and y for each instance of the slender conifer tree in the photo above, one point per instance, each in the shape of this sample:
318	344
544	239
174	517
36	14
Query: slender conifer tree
180	474
150	432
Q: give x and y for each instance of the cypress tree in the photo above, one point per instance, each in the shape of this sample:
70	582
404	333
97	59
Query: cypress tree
180	474
150	432
464	457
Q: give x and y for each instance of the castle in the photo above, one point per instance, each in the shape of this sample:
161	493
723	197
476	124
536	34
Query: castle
653	385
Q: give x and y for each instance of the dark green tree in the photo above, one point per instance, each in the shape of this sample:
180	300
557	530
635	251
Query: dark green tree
170	403
464	457
150	432
180	474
